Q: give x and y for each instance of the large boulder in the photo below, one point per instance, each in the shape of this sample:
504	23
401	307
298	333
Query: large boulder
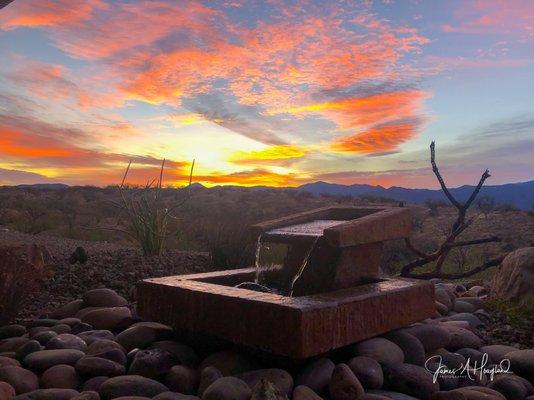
514	279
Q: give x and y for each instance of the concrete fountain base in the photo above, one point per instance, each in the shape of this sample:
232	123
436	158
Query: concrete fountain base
295	327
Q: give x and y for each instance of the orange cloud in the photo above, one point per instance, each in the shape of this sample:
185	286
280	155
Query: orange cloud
43	147
378	139
269	155
256	177
17	144
374	117
355	112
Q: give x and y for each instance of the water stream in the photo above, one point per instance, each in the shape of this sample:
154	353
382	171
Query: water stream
303	266
273	247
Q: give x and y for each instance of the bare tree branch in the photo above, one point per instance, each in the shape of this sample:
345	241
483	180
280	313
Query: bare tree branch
450	241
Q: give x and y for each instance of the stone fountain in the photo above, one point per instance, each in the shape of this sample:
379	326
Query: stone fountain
315	286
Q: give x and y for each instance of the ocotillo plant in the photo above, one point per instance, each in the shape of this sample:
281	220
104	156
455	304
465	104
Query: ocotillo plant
148	216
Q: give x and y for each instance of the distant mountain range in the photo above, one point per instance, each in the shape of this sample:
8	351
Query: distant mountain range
521	195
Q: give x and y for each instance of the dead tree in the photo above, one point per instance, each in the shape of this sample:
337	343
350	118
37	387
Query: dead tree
451	240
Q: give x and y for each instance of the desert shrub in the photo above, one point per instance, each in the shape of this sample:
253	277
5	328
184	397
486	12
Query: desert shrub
22	270
505	207
486	204
521	317
433	206
146	213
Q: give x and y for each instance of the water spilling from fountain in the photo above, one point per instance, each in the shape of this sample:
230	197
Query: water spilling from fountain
282	255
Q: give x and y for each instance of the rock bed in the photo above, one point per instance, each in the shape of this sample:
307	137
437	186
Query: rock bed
94	348
115	266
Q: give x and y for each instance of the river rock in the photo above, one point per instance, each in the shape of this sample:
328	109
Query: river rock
463	307
88	395
472	355
410	379
280	378
497	352
344	385
107	349
44	337
142	334
174	396
447	395
12	344
477	291
48	322
93	384
29	347
96	366
380	349
61	377
453	360
509	387
81	327
66	341
207	376
67	310
93	335
107	318
514	278
461	338
305	393
477	302
131	385
44	359
316	375
152	363
61	328
522	363
392	395
443	297
228	362
103	298
22	380
182	353
265	390
7	392
132	398
227	388
479	393
414	352
14	330
368	371
183	379
471	319
8	361
70	321
432	337
52	394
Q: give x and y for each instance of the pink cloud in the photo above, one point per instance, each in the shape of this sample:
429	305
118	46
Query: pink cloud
48	13
514	17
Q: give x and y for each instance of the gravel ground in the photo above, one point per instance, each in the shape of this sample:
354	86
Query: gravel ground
109	265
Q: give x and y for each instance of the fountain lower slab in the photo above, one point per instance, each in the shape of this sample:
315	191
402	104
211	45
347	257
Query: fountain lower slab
295	327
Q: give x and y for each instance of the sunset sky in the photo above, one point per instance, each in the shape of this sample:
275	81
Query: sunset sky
266	92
